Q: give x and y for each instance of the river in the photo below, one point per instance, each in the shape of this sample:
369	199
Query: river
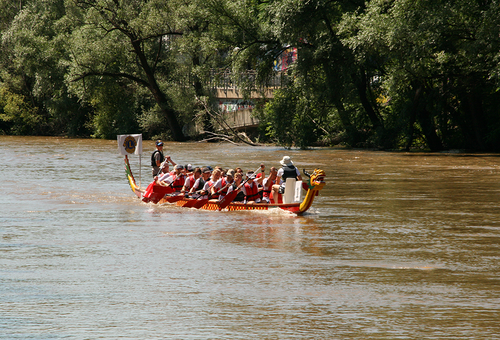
396	246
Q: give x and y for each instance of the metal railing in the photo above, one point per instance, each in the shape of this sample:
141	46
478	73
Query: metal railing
226	79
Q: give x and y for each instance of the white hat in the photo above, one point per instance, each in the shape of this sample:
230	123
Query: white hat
286	161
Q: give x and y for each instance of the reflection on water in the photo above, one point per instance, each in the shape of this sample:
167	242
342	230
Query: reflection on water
397	245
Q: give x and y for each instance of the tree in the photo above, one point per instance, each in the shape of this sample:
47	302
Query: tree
439	62
128	41
33	70
333	86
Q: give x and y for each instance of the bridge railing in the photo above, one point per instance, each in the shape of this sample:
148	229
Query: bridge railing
225	79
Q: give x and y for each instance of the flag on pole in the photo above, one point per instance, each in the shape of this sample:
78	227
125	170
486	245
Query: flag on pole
130	144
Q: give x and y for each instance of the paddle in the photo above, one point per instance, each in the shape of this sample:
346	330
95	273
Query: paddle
147	193
232	195
202	202
146	196
190	203
175	198
193	203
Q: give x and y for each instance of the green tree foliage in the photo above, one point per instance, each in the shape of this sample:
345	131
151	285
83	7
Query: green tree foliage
34	69
378	73
128	41
17	115
437	65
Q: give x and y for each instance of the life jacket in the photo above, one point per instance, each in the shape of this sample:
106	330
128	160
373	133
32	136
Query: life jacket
252	192
178	182
267	189
153	160
240	197
189	182
223	190
289	172
201	184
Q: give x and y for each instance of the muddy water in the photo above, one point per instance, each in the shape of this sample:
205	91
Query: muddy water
396	246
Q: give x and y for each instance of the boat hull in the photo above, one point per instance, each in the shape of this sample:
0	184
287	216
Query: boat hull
213	205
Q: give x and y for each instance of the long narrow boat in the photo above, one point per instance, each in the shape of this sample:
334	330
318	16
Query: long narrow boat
159	194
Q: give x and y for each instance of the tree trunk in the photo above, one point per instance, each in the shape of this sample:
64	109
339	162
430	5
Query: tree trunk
413	117
429	130
475	111
199	90
158	94
361	85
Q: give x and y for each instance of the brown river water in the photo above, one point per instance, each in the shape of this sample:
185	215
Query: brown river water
396	246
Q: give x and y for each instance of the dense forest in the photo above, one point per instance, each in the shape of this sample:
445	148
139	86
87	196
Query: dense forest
388	74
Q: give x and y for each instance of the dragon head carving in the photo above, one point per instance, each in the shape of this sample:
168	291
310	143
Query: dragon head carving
317	179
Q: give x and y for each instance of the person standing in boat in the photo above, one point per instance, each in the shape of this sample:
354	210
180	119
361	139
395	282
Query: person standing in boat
288	170
157	158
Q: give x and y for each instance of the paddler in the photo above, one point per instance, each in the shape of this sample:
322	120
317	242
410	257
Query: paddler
208	188
164	177
191	179
267	184
195	191
238	179
179	178
251	188
222	185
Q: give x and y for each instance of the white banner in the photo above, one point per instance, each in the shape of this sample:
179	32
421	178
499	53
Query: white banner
130	144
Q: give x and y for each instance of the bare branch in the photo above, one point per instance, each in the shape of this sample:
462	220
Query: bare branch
114	75
225	126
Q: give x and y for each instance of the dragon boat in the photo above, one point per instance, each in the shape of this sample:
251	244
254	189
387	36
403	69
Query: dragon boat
293	202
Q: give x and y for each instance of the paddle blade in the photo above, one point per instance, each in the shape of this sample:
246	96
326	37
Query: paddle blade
200	203
227	199
173	199
147	193
189	203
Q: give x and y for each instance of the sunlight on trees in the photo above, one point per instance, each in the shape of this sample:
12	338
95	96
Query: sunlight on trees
379	74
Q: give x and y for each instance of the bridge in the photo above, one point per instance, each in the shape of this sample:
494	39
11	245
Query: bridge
237	109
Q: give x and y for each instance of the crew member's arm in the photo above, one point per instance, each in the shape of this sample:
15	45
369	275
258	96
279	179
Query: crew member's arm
186	183
171	161
157	159
195	185
214	187
263	172
299	177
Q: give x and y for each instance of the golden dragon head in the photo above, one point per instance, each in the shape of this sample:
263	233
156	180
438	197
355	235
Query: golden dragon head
316	179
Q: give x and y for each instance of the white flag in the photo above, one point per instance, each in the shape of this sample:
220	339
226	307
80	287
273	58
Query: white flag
130	144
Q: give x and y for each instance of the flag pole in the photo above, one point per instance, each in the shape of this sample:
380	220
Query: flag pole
128	144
